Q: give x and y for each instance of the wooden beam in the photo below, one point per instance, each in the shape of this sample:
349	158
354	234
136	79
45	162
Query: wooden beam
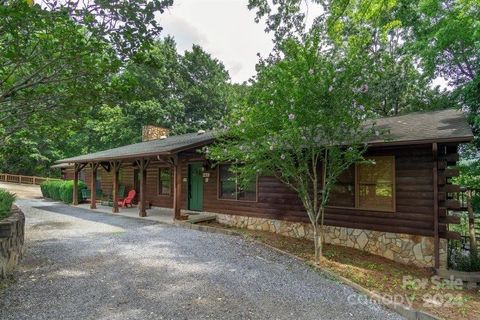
442	196
142	166
449	220
105	166
452	204
177	191
436	239
115	166
93	185
452	188
441	178
442	212
81	166
75	184
451	235
452	173
442	165
452	157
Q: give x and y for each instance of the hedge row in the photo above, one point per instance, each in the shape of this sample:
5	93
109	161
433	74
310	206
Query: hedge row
6	201
61	190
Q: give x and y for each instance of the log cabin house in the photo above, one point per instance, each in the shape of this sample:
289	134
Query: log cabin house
397	208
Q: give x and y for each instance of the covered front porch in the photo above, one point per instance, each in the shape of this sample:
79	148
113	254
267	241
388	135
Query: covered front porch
143	162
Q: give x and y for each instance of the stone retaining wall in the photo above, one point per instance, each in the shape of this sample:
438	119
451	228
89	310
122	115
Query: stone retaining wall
404	248
11	241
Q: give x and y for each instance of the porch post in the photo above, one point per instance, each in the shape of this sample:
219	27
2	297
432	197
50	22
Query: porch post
75	184
436	239
93	186
177	190
142	166
115	165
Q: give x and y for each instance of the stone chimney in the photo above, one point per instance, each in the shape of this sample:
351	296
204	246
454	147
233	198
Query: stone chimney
150	132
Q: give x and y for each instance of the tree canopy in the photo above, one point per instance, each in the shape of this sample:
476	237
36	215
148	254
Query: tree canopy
159	87
102	66
84	76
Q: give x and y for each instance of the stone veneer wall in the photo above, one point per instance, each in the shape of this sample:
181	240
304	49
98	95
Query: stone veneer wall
11	241
404	248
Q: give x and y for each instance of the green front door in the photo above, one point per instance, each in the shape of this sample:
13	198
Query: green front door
195	187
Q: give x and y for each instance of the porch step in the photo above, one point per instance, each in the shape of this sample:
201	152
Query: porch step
200	218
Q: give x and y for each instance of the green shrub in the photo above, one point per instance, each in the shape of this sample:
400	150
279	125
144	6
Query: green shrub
6	201
463	261
61	190
476	203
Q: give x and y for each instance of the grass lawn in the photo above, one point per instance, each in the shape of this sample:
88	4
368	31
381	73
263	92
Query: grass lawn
380	275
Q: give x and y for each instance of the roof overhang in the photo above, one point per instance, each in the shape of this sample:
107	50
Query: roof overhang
138	155
441	126
466	139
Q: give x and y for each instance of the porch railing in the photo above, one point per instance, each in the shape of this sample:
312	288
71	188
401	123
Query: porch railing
469	219
15	178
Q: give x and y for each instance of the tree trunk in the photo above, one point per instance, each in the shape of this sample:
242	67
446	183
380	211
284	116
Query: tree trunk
318	243
322	229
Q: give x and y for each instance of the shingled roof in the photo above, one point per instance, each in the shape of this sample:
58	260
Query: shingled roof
423	127
166	146
413	128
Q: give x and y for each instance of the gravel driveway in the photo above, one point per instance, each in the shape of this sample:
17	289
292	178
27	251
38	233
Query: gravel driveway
88	265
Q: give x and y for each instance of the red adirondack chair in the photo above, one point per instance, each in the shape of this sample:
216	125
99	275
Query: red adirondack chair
128	200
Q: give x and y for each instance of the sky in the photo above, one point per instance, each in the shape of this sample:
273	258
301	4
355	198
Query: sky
224	28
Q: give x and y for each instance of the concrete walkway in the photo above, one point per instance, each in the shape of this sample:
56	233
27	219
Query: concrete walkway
163	215
82	264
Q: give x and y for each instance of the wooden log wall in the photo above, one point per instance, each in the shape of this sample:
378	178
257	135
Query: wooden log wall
414	197
414	193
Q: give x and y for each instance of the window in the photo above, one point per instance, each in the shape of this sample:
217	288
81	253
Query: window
342	193
230	189
366	186
228	185
376	184
164	179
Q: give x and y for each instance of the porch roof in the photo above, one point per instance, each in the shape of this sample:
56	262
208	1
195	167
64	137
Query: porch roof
62	165
151	148
415	128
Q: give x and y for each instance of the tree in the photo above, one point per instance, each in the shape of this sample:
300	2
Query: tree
149	90
369	31
58	61
56	55
302	123
184	93
445	36
47	63
161	87
206	92
441	35
127	25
